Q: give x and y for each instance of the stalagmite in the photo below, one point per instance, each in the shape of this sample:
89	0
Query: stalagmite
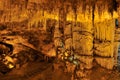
104	33
83	32
86	62
68	29
104	49
68	43
105	62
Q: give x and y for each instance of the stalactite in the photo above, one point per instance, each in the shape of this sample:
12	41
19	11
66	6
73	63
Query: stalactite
26	3
94	18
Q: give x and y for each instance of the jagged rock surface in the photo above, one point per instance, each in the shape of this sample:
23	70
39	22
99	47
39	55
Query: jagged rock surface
82	31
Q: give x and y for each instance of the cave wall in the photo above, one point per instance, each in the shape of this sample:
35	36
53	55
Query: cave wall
89	36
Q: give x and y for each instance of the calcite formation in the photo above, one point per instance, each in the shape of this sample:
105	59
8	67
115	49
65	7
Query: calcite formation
83	31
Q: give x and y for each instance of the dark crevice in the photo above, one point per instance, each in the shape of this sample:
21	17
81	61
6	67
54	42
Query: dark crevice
112	6
93	16
3	68
9	46
93	10
99	56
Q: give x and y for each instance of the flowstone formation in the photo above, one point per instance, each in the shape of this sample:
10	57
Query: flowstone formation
88	37
85	33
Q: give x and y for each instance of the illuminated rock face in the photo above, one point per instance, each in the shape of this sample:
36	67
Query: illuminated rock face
90	36
86	39
84	30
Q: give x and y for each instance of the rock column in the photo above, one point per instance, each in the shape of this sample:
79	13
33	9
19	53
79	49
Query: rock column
104	32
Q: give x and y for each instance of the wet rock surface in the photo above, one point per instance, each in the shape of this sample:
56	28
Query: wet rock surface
33	64
63	39
24	54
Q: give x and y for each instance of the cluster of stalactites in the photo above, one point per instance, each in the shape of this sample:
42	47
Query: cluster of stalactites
109	5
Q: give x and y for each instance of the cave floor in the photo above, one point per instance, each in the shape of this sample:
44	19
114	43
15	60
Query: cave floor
35	71
43	70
